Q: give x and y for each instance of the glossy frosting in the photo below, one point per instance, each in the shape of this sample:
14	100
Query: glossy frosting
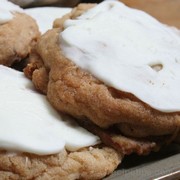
129	50
28	123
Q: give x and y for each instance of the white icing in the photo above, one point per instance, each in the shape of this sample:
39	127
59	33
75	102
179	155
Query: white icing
46	15
28	123
118	45
6	11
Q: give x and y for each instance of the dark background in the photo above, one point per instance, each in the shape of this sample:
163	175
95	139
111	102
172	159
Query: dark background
93	1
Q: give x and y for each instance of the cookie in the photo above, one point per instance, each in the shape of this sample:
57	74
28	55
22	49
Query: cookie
62	87
92	163
43	143
18	32
75	90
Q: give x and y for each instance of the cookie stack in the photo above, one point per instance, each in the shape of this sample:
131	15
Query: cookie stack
101	84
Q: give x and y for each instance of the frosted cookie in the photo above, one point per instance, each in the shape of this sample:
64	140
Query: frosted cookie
114	66
46	15
18	32
37	142
92	163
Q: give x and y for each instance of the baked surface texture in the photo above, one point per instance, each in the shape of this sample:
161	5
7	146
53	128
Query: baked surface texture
74	91
91	163
16	38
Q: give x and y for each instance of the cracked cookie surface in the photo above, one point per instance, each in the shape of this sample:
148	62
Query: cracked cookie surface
89	163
